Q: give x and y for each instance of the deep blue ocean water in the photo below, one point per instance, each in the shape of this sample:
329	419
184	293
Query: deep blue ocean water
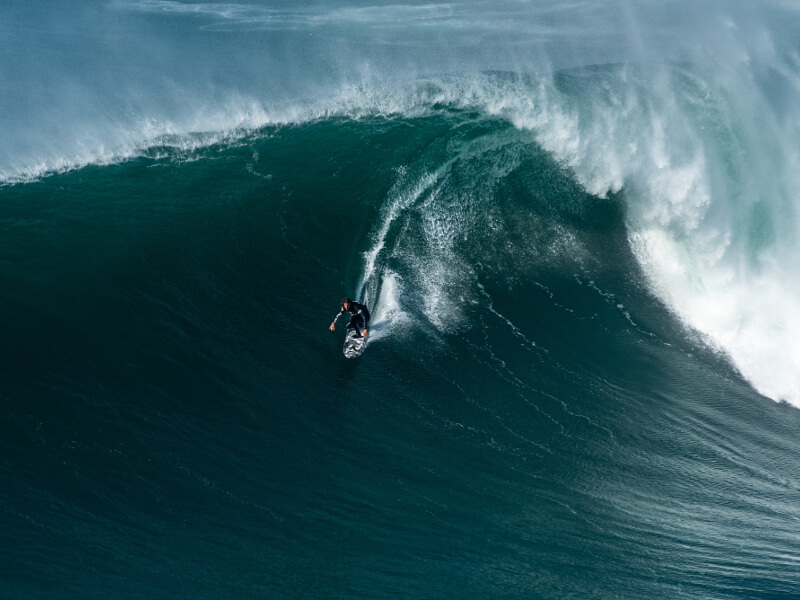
582	374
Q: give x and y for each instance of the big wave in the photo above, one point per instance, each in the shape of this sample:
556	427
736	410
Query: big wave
703	151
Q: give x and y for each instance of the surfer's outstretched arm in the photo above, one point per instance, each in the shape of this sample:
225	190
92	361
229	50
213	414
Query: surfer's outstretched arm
339	314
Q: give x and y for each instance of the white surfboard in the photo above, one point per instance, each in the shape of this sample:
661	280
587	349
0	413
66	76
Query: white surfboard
354	346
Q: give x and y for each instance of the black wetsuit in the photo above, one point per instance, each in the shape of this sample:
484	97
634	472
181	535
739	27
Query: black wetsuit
360	318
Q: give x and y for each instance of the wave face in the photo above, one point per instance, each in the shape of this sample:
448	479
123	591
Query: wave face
575	227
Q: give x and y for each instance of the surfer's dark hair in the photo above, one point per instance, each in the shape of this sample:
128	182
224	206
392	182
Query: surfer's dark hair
346	301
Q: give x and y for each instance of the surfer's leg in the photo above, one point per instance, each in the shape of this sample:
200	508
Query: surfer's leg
353	324
357	323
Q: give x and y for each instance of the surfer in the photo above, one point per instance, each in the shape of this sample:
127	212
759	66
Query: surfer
358	321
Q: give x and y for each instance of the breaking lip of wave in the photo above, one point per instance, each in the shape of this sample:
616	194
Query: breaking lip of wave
493	94
147	137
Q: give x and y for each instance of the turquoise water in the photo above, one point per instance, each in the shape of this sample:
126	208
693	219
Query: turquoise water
565	266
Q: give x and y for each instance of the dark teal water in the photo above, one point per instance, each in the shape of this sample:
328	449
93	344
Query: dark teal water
528	421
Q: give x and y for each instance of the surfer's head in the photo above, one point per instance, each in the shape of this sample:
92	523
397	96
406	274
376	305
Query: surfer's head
347	302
